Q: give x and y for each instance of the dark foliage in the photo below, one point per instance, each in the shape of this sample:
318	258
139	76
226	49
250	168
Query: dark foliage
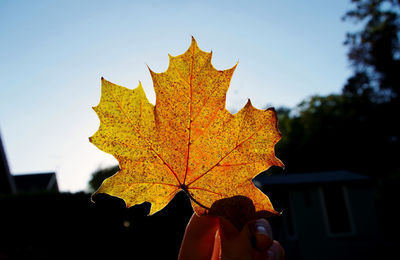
338	132
374	51
356	130
100	175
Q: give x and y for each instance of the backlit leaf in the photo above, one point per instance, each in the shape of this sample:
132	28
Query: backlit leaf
188	141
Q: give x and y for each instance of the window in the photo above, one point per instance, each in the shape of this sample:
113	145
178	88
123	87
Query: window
336	210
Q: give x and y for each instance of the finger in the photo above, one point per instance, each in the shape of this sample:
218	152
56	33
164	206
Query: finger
217	246
276	252
198	241
262	234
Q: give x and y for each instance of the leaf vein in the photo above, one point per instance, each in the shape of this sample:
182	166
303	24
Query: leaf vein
228	153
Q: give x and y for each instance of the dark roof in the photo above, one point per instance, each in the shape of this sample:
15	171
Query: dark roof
309	178
6	181
36	182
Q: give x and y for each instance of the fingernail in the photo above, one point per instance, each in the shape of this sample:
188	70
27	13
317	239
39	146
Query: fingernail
261	229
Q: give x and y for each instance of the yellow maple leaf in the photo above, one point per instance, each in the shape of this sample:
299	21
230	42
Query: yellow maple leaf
188	141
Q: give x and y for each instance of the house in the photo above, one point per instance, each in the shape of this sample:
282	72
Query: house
6	181
32	182
325	215
10	184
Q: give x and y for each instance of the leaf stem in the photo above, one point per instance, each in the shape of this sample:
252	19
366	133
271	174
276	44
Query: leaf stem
185	189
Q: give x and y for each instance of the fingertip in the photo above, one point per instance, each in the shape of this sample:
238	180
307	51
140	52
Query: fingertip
263	242
277	251
199	225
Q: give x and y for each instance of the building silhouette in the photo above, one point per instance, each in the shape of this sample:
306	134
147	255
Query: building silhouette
325	215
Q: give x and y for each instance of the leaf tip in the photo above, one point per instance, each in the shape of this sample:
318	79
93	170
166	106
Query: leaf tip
249	102
152	210
139	88
271	109
148	67
279	163
193	44
275	116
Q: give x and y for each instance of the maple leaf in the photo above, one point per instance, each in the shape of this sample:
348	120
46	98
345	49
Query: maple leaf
188	141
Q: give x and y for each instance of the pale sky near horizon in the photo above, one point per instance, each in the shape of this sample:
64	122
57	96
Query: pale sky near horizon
53	54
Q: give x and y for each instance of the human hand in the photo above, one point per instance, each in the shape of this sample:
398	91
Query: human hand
211	237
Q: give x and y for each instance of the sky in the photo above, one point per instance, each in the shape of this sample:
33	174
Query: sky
53	54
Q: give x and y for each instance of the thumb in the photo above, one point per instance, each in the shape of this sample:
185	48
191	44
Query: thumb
198	241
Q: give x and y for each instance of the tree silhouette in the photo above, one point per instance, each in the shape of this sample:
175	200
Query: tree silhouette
374	51
100	175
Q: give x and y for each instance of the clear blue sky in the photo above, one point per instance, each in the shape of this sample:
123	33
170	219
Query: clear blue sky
53	54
